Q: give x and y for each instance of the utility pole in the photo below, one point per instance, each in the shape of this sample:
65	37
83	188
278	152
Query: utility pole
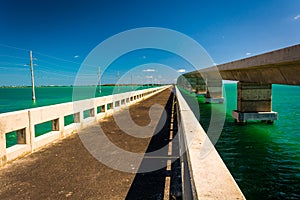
99	80
32	76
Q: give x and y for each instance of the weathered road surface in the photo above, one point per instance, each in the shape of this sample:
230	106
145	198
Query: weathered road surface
66	169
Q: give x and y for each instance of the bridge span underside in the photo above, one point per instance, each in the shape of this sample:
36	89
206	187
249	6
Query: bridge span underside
255	76
276	67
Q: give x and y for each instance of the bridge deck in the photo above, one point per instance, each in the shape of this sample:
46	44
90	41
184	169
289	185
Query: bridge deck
67	169
276	67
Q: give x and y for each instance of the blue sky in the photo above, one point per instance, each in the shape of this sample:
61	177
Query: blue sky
61	33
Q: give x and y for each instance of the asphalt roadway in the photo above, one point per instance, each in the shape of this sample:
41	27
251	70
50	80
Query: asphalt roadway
67	170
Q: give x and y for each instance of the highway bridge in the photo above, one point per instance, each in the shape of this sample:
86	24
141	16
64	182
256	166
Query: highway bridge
255	76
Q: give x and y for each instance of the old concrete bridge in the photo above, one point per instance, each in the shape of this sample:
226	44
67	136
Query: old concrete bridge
255	76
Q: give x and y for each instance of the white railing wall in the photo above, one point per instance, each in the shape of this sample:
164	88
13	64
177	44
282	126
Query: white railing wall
208	176
24	121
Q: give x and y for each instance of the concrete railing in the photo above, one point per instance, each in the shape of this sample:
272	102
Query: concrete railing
24	122
205	176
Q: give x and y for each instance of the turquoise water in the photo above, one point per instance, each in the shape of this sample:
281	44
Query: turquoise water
13	99
264	159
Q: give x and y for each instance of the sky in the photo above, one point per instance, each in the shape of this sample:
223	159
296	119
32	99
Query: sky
63	33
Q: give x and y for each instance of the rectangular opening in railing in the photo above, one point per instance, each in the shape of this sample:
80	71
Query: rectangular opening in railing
77	117
69	119
110	106
101	109
11	139
41	129
122	101
88	113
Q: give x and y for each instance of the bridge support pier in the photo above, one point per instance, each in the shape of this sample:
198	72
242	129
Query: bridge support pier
214	93
254	103
200	87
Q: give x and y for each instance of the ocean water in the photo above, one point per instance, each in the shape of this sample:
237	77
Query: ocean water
263	158
12	99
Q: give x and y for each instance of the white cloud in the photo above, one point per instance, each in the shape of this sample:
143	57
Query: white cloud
149	76
149	70
248	54
297	17
76	56
181	70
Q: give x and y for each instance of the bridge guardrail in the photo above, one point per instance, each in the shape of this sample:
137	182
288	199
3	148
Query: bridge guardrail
23	122
208	176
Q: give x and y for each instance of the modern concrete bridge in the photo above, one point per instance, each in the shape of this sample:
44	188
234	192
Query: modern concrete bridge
255	76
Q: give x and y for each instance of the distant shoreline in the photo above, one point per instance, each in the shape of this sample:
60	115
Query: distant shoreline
82	85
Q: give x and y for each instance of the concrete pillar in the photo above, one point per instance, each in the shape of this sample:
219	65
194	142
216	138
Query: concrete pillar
193	81
214	93
78	117
92	112
200	86
254	103
31	132
3	157
27	135
61	122
117	103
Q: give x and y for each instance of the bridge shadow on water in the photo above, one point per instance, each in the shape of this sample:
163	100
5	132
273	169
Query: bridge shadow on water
165	180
